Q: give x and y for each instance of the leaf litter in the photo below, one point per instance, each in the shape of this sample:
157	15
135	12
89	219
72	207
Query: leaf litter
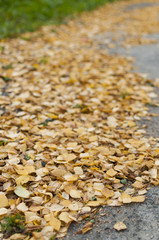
69	142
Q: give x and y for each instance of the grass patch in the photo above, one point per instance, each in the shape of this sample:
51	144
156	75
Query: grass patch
19	16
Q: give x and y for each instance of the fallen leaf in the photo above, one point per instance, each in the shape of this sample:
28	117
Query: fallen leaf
3	211
22	207
55	223
56	207
107	193
125	198
112	122
65	217
94	203
3	201
139	198
86	228
138	185
111	172
22	179
22	192
120	226
75	194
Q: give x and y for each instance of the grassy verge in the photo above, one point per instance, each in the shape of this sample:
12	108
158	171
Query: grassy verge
19	16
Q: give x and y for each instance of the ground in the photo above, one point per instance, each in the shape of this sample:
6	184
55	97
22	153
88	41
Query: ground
80	98
142	220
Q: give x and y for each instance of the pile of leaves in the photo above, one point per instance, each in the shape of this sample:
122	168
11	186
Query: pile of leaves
69	141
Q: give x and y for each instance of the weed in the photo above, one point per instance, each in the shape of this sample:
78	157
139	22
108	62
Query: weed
6	67
151	104
124	95
6	79
2	49
3	142
13	223
52	237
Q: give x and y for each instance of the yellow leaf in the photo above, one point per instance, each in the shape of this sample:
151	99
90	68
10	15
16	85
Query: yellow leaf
120	226
22	179
21	172
131	123
58	172
75	194
111	172
85	155
66	203
107	193
56	207
3	211
23	148
22	192
93	138
22	207
138	185
3	201
112	122
94	203
125	198
74	206
66	157
55	223
51	115
139	198
29	169
153	173
78	170
64	216
72	144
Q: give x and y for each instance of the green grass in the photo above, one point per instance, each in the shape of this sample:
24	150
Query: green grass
18	16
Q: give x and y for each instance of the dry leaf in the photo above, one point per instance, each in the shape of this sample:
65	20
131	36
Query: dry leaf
3	201
107	193
112	122
56	207
22	179
139	198
55	223
22	192
58	172
17	236
138	185
111	172
94	203
74	206
120	226
87	227
22	207
78	170
3	211
125	198
75	194
64	216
